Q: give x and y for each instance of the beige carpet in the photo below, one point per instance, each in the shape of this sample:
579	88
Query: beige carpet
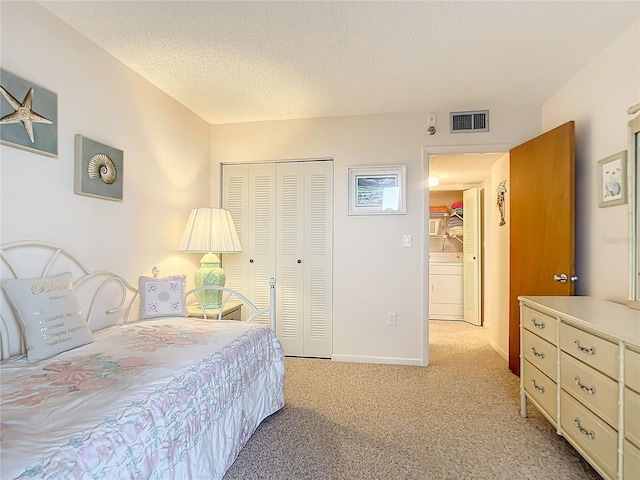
456	419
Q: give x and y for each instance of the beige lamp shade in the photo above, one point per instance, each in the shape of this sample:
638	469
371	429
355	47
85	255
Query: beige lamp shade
210	230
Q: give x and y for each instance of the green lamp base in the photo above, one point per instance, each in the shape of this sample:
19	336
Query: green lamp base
210	273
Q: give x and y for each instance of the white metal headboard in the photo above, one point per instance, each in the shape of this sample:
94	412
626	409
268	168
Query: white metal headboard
106	296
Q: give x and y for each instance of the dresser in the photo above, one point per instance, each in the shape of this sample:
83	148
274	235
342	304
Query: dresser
580	367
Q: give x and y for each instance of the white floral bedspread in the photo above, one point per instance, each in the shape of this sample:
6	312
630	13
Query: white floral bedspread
159	399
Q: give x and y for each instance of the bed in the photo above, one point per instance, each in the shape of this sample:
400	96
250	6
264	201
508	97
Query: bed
152	397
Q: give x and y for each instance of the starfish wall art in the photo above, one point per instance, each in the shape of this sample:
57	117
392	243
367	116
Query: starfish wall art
29	124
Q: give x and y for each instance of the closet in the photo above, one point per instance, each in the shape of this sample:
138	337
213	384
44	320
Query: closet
454	255
283	215
445	256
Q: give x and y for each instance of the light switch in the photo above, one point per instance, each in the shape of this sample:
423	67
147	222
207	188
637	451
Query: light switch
406	240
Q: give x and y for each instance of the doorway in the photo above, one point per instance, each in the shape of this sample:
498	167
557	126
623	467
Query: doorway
460	169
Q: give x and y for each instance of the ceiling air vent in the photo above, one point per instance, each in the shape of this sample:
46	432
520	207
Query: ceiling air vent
467	122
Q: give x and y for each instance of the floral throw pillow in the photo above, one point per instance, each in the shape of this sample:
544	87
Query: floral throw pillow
162	297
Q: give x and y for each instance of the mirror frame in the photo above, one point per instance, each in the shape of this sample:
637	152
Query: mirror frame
633	160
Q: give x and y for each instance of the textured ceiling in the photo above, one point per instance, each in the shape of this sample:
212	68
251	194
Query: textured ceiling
249	61
242	61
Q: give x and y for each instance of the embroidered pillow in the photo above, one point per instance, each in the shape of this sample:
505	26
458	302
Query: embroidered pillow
162	297
50	314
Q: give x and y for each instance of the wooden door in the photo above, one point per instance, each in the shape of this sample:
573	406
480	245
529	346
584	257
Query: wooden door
541	220
471	256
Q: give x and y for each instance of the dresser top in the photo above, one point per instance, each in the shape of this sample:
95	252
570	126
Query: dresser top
600	316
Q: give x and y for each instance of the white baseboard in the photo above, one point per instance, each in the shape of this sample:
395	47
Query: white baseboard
500	351
414	362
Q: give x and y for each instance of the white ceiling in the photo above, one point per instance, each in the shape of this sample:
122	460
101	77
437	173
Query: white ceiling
267	60
242	61
460	171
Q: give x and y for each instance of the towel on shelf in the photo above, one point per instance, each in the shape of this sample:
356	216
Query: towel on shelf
438	209
456	205
454	222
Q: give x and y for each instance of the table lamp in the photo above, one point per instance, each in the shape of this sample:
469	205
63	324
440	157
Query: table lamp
210	231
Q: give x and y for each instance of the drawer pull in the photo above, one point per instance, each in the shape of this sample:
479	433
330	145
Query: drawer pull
590	435
536	324
588	351
535	385
539	355
589	390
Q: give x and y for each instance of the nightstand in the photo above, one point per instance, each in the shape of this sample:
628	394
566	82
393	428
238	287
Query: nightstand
231	311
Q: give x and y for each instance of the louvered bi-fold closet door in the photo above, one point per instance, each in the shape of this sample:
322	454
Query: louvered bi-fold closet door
249	194
303	257
471	257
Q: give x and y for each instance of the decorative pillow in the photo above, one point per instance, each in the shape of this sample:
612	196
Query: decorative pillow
50	314
162	297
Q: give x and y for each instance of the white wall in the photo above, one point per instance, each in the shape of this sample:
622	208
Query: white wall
373	273
597	99
167	172
497	268
166	153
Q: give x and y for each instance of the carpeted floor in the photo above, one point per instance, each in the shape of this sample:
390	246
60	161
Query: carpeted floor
456	419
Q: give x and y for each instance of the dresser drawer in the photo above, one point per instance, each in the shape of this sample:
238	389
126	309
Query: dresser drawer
631	464
595	351
632	417
540	324
588	432
541	388
632	369
540	353
595	390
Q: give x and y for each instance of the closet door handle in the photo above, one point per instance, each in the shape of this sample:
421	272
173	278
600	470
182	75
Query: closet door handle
299	261
251	260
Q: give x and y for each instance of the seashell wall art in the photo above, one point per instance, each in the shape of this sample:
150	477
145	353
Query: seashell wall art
102	167
98	169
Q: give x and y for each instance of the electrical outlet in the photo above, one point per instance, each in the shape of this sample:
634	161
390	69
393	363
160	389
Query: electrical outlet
393	319
406	240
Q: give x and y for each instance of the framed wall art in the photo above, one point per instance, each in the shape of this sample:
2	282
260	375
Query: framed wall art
98	170
612	180
28	115
377	190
